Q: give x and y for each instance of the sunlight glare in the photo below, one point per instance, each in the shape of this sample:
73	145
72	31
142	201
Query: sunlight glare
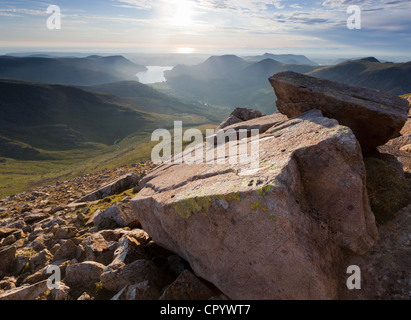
183	15
186	50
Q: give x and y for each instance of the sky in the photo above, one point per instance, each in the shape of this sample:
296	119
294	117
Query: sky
210	26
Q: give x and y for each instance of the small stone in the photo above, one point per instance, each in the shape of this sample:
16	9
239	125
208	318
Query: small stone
66	251
8	283
25	292
40	260
7	260
84	297
84	273
8	241
61	293
116	277
5	232
65	233
187	287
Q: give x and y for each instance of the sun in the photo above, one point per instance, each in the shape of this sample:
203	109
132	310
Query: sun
186	50
183	14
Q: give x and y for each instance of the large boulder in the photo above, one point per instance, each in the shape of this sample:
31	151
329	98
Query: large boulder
375	117
118	214
240	115
83	274
275	234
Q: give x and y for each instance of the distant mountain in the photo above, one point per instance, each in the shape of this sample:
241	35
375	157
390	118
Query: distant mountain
51	132
284	58
230	81
69	71
368	72
55	117
37	120
215	67
145	98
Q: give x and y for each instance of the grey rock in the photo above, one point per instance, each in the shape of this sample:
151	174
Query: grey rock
124	183
374	116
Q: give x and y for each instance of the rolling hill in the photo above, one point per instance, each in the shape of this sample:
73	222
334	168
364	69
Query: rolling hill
49	131
145	98
391	77
284	58
56	117
230	81
91	70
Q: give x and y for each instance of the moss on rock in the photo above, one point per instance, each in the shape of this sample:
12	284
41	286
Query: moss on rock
188	207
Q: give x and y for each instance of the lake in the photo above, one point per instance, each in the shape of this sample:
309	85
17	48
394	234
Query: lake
153	74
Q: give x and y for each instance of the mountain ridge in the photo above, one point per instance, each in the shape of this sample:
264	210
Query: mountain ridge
69	71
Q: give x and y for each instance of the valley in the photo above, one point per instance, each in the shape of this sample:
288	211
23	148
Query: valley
61	117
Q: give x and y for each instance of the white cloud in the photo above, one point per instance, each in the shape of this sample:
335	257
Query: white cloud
137	4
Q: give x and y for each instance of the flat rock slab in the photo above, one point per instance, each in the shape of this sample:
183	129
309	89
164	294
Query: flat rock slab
374	116
123	183
5	232
25	292
239	115
7	259
262	124
275	234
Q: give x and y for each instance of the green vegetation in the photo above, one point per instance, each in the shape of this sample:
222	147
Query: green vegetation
235	196
149	99
95	290
52	132
390	77
188	207
407	97
89	209
69	71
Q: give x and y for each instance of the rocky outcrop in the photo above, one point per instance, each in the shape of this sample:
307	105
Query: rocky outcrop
117	276
187	287
7	259
82	274
277	234
118	213
240	115
59	235
375	117
385	269
123	183
286	231
262	124
25	292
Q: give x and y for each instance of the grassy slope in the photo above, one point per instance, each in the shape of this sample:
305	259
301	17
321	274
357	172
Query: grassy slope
69	71
98	147
390	77
147	98
19	175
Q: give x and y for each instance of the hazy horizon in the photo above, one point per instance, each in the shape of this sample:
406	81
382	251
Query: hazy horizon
210	27
321	58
